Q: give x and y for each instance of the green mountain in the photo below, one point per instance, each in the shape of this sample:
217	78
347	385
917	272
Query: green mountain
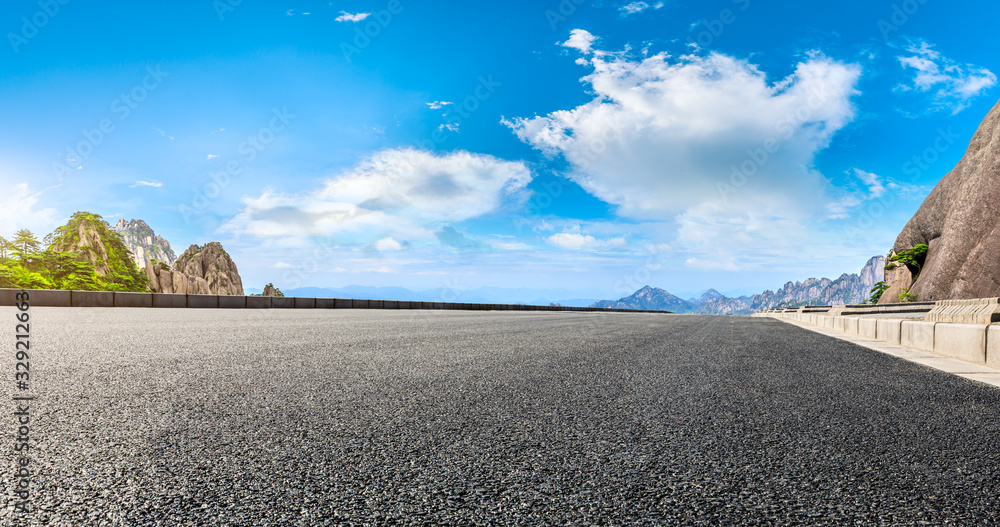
85	254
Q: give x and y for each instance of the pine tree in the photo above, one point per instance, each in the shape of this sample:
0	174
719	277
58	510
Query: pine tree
25	242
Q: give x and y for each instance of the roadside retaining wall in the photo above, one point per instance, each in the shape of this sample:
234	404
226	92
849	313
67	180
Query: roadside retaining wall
977	343
50	298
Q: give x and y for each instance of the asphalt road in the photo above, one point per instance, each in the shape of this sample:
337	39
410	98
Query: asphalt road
189	417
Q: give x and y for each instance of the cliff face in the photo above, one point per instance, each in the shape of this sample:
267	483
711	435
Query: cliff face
90	238
144	243
960	223
206	270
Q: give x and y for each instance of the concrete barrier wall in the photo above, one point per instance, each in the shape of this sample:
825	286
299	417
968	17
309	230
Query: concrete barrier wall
52	298
917	335
868	328
978	343
890	330
232	302
962	341
993	346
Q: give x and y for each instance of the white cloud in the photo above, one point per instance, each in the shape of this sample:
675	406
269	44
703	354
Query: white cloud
154	184
213	156
282	265
577	242
707	141
638	7
17	211
952	85
400	193
352	17
661	135
580	40
388	244
437	105
451	127
876	187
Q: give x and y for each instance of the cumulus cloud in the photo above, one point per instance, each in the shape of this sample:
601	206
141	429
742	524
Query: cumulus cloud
584	242
952	85
401	193
351	17
580	40
638	7
388	244
700	138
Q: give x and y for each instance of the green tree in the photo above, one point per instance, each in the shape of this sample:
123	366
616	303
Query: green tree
5	246
25	242
912	258
877	291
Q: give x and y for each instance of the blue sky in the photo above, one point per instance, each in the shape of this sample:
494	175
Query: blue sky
590	146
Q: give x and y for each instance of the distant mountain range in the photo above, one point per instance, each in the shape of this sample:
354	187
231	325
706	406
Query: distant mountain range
848	289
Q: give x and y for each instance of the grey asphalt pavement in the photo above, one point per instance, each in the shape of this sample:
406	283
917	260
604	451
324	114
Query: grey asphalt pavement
215	417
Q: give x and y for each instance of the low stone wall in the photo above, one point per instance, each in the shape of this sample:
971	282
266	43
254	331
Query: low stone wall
947	335
50	298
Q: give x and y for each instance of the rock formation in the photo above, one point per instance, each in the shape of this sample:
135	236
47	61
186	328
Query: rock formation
960	223
206	270
270	290
89	237
144	243
86	239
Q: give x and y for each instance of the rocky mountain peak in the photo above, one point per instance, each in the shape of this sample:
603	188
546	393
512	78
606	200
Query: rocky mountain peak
145	245
201	270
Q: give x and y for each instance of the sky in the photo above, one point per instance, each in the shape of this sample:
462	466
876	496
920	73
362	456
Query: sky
594	147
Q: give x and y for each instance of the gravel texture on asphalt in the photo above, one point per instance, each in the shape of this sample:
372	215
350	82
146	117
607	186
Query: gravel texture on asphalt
306	417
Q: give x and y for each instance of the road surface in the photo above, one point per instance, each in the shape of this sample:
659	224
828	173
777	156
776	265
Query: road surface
215	417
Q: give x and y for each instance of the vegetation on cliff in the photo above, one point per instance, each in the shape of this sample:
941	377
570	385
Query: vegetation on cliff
84	255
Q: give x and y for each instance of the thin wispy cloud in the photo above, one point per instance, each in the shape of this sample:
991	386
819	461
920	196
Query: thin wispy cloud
437	105
352	17
638	7
951	85
154	184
